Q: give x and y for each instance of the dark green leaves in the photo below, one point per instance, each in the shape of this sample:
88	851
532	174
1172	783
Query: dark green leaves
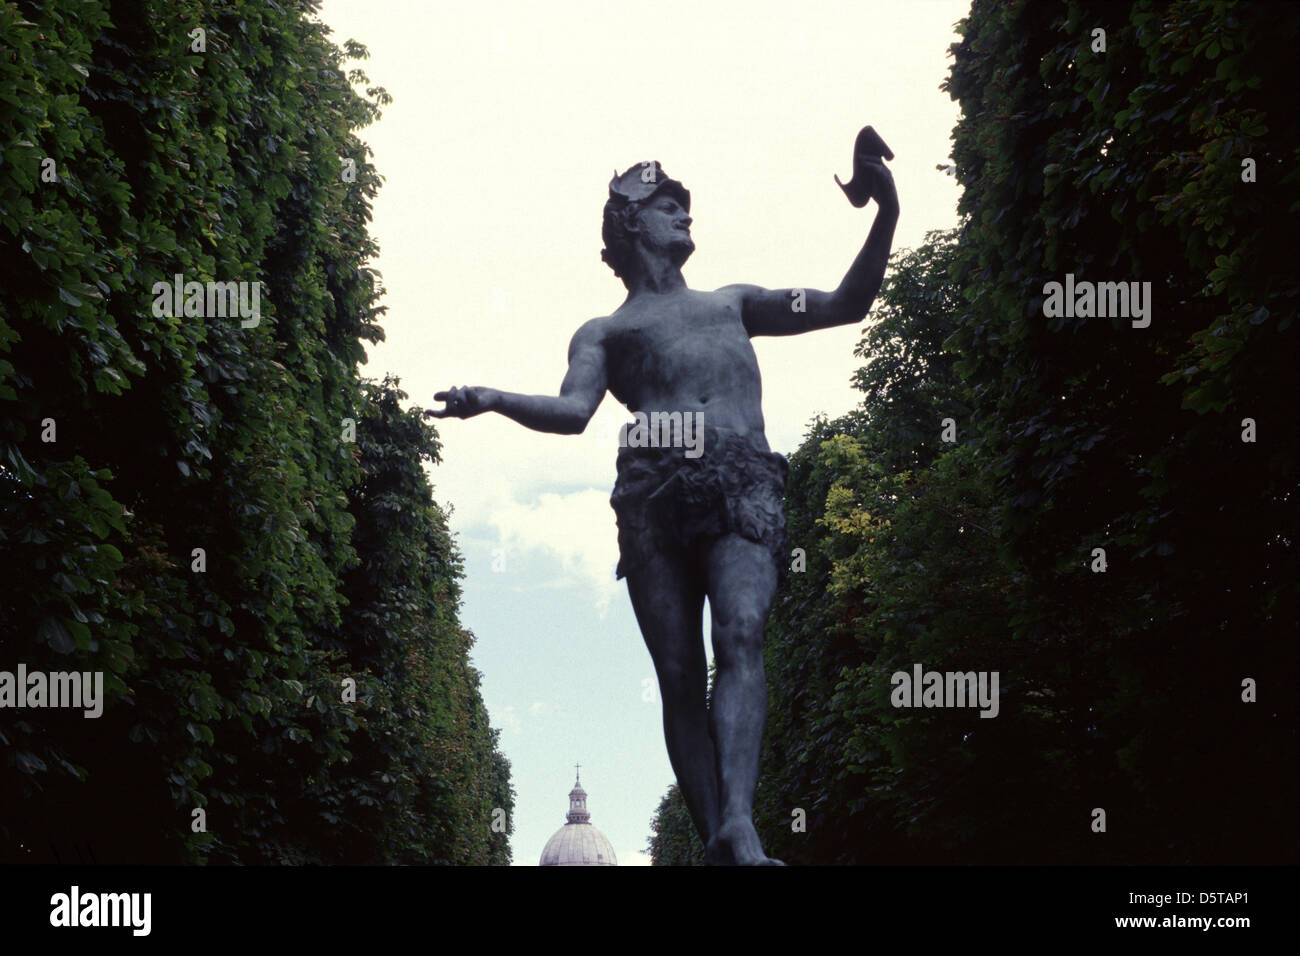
173	433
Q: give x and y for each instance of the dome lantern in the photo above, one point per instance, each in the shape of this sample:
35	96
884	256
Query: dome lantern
578	800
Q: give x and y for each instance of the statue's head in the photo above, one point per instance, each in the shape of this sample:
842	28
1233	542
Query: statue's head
645	209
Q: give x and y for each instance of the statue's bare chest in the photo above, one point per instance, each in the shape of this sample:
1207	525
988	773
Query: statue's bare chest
671	343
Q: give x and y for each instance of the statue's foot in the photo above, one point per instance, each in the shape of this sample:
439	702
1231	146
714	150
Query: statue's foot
736	844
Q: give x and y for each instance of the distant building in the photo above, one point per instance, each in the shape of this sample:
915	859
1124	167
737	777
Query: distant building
578	843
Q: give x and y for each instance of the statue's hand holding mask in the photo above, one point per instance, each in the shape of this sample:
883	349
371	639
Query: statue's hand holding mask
871	178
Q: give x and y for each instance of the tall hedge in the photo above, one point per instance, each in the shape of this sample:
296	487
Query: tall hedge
1169	156
130	438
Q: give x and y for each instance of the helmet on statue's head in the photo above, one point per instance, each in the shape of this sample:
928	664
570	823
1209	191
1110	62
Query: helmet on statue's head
642	181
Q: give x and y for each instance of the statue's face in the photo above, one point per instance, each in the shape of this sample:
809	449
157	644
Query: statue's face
664	224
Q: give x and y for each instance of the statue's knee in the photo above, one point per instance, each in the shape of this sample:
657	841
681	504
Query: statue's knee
740	625
738	639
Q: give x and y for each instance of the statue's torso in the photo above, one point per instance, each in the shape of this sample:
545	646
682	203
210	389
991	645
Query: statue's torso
686	351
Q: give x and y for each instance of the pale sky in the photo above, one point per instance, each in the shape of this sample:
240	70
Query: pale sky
507	123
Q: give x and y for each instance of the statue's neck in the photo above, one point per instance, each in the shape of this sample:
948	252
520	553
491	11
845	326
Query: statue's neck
655	274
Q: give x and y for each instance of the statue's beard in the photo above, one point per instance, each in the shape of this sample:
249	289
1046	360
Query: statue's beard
679	250
676	250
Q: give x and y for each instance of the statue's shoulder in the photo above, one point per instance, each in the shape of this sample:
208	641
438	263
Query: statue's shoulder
591	334
738	292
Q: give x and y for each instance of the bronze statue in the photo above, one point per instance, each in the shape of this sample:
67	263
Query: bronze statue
708	524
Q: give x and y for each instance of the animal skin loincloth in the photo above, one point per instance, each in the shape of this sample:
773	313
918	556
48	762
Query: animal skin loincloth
666	502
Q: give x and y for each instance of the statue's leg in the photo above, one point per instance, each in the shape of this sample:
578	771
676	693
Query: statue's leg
669	605
741	583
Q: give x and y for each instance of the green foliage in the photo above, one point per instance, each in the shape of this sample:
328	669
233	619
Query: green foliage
325	559
673	840
1128	165
901	534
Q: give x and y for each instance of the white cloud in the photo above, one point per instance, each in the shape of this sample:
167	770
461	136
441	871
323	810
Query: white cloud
577	529
509	718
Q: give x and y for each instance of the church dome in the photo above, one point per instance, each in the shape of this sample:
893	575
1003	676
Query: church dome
578	843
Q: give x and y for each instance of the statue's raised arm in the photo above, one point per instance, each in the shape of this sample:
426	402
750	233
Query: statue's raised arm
792	311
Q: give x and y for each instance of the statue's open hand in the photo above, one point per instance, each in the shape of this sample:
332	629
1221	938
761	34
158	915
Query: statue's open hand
461	402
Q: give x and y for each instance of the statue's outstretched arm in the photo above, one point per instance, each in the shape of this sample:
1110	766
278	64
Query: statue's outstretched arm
566	414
